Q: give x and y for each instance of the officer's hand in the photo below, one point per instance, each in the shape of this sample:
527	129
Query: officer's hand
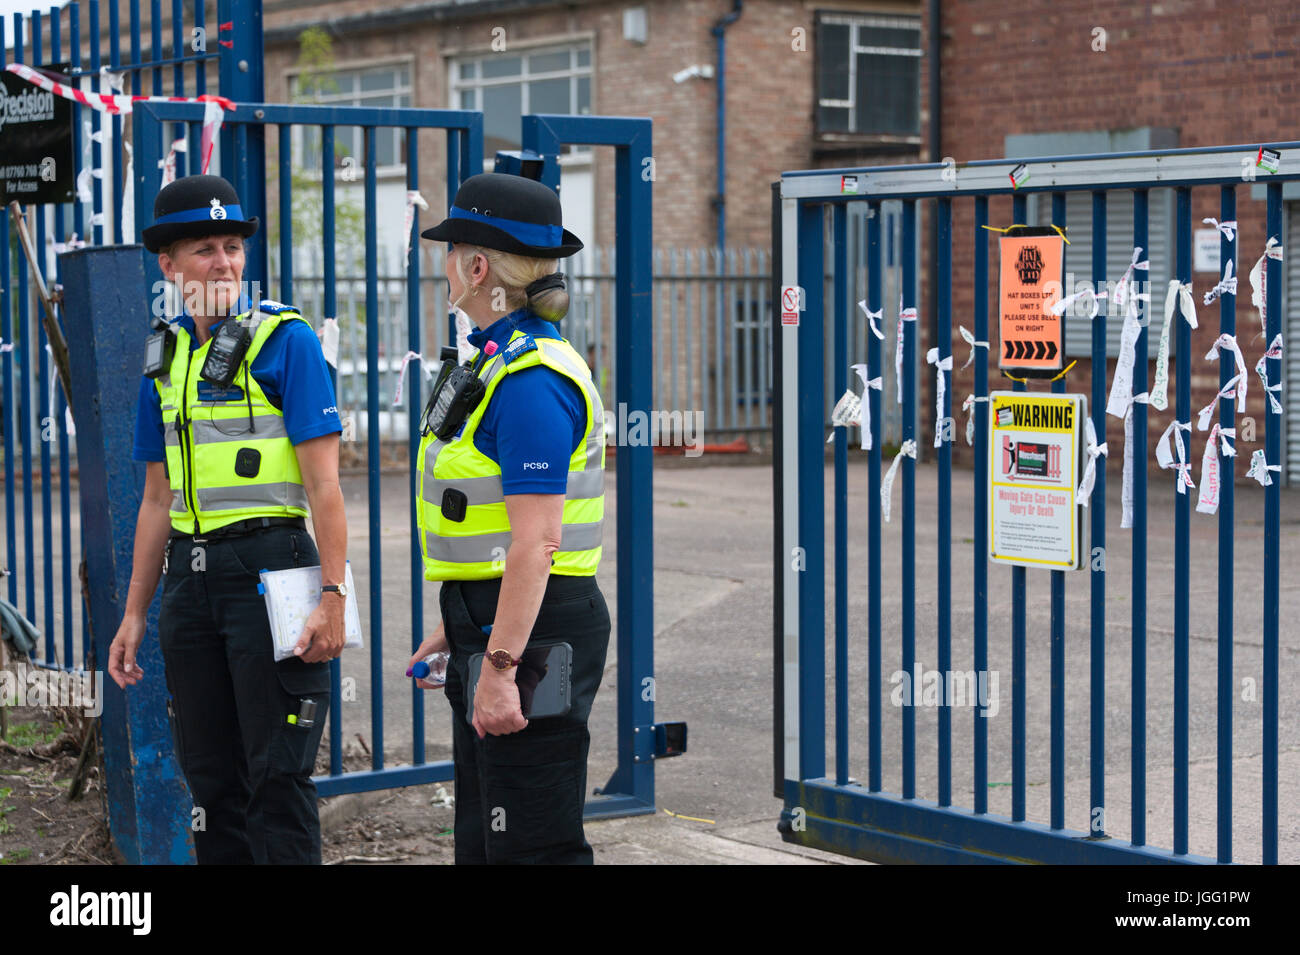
496	702
121	655
436	642
322	637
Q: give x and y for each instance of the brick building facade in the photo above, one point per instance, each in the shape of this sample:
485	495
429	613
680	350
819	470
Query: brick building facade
1070	77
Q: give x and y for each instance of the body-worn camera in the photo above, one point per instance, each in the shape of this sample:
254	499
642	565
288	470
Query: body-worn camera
159	349
456	393
225	353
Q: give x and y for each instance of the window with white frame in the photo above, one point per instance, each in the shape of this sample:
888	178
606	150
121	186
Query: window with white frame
386	86
869	75
506	86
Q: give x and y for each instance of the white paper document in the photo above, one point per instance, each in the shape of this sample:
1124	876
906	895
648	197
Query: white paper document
291	596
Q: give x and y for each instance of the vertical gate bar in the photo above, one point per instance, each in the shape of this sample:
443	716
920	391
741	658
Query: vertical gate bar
873	397
74	50
1097	540
943	232
731	286
415	404
286	214
1058	626
330	310
42	402
201	67
675	286
1272	534
1227	419
24	341
7	372
178	80
750	308
717	349
372	456
155	43
134	14
1182	528
812	509
60	401
97	123
115	150
841	375
908	330
980	549
1018	599
1141	375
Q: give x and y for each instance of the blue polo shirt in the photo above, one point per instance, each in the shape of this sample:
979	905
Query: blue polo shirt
536	415
290	363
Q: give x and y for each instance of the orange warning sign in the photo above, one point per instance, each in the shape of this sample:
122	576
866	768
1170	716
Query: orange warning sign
1033	268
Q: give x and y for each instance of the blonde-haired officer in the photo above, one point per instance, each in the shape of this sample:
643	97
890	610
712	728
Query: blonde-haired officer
510	514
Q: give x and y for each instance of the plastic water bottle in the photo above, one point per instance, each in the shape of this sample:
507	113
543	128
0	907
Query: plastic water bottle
432	669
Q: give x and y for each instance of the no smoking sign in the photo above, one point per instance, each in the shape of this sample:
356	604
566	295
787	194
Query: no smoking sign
791	303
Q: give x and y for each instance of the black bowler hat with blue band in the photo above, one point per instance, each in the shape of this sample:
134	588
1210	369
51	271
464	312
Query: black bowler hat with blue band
193	207
508	213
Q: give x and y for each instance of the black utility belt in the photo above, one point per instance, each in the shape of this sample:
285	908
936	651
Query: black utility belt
246	527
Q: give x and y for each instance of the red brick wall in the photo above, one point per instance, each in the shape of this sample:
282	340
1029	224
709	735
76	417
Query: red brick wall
1218	72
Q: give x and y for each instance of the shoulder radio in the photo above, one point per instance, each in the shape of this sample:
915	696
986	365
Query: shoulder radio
456	393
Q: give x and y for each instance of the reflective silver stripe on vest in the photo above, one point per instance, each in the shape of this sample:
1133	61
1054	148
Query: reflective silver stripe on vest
252	495
236	429
486	548
178	502
487	490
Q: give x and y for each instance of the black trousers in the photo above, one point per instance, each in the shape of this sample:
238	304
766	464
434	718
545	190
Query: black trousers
248	768
520	797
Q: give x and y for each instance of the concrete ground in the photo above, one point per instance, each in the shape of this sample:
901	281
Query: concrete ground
713	653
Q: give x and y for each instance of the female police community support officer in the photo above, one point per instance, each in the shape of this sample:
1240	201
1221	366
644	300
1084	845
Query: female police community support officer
236	455
510	513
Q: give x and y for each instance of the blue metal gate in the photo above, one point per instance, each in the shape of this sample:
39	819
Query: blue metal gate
834	811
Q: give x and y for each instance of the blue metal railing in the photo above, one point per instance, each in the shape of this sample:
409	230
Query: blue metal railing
836	812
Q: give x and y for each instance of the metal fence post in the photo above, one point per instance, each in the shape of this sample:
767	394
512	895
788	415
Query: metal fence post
105	302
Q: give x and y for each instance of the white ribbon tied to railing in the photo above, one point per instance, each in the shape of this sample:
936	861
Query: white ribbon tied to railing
1230	342
1095	451
941	365
1226	285
1259	281
887	484
413	199
328	333
1121	387
1087	292
1180	294
1126	490
1165	456
1228	228
1228	390
904	315
867	385
1261	369
1210	480
968	409
1259	468
969	338
872	318
409	357
1126	280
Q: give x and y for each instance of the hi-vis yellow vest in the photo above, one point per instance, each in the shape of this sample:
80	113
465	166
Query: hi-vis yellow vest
475	548
213	483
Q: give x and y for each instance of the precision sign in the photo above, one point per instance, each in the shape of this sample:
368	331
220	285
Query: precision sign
1034	443
36	163
1033	268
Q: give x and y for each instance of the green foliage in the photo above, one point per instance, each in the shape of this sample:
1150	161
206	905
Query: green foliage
30	734
18	855
5	826
315	78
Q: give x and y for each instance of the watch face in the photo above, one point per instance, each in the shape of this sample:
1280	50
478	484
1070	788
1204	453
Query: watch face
500	659
343	590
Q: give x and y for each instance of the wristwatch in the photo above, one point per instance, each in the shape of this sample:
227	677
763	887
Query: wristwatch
501	660
340	589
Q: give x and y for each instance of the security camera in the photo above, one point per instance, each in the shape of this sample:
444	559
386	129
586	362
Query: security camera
704	71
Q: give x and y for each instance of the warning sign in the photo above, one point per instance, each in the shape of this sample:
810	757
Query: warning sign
1033	267
1034	443
791	303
